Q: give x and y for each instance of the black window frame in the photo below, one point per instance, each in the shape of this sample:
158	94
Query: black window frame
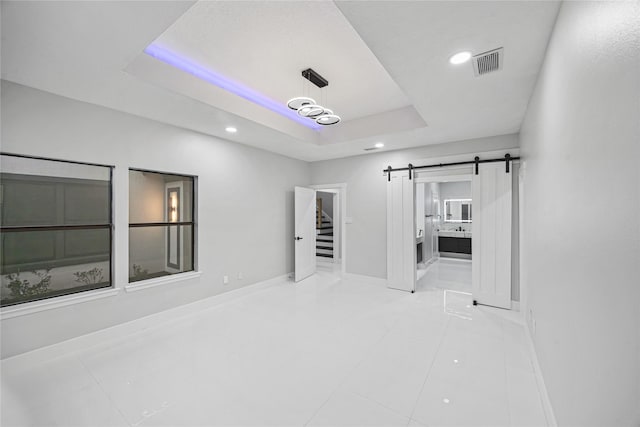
101	226
192	223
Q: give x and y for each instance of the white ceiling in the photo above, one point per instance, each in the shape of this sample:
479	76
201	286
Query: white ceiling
92	51
271	47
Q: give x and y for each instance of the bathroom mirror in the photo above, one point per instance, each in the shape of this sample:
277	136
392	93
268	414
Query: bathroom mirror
457	210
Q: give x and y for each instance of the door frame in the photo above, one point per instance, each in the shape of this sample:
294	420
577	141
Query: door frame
342	201
465	174
427	179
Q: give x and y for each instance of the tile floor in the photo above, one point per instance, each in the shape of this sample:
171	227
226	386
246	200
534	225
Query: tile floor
324	352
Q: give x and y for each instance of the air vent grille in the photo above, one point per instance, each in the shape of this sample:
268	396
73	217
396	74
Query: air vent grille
488	62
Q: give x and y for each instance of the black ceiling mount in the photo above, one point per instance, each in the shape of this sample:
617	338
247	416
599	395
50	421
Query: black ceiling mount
315	78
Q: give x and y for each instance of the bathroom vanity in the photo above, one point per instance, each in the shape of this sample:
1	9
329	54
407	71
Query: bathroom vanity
458	242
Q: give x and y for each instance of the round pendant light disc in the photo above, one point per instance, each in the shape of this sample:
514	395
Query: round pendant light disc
300	101
328	119
311	111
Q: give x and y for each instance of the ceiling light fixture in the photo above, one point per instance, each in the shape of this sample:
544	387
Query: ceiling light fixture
311	111
379	145
307	107
300	101
460	58
231	129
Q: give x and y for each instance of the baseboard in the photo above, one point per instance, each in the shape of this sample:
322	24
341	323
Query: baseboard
137	325
515	305
546	402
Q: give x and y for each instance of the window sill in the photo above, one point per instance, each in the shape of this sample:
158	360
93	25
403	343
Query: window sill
57	302
161	281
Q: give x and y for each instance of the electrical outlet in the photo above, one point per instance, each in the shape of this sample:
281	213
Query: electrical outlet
225	280
240	276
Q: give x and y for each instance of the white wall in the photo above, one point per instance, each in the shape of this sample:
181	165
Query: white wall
581	276
367	194
243	193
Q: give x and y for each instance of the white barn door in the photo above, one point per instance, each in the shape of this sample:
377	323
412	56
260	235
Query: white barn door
491	243
401	234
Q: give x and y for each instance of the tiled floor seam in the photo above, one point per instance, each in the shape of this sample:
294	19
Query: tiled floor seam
382	405
433	361
113	404
506	372
347	375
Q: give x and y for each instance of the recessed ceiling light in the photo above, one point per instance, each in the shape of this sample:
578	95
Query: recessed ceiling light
379	145
231	129
460	58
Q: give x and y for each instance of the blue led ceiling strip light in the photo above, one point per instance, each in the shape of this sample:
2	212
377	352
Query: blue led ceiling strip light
224	83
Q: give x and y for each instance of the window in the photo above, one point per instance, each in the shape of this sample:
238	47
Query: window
56	228
161	226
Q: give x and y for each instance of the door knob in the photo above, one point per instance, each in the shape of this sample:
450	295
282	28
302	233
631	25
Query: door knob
298	238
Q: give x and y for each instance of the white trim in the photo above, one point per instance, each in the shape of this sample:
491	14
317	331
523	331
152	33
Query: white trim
137	325
57	302
342	194
160	281
515	306
542	389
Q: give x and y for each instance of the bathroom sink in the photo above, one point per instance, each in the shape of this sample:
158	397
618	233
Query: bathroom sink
451	233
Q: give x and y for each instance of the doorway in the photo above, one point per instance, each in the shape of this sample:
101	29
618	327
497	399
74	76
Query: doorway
327	226
444	232
474	226
331	235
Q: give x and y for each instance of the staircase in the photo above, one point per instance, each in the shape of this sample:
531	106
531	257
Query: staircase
324	235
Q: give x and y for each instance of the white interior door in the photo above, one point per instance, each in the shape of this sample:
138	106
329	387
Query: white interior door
305	232
401	237
491	242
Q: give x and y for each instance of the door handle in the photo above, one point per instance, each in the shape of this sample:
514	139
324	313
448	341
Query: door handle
298	238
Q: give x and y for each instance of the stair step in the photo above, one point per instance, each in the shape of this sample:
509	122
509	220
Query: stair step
325	255
325	247
325	234
325	227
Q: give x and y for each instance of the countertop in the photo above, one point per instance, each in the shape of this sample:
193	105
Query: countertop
463	234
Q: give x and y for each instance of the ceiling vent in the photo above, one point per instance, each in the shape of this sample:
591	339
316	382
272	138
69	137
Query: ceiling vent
488	62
